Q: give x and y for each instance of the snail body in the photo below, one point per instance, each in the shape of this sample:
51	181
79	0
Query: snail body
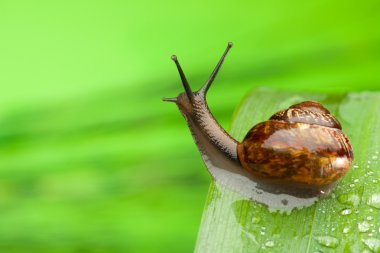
299	149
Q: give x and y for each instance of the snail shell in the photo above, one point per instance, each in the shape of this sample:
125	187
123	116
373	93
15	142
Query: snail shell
303	144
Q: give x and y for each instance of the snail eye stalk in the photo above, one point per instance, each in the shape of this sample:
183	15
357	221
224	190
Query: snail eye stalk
174	100
186	85
208	83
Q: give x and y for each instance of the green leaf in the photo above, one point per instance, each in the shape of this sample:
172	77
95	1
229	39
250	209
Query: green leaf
346	221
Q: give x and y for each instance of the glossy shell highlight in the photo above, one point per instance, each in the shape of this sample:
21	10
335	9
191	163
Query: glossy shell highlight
302	145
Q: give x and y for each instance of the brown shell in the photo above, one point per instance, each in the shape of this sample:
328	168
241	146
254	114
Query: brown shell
303	144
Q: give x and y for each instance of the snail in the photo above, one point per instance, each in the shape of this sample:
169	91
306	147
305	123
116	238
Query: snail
301	150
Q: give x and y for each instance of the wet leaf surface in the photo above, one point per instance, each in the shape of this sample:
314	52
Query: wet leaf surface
346	221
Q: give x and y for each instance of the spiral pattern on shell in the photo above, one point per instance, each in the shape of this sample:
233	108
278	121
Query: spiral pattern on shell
301	145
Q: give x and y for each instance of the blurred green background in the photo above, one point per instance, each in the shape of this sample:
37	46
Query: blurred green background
91	160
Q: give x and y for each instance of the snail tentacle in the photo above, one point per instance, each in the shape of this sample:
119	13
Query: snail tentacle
185	83
208	83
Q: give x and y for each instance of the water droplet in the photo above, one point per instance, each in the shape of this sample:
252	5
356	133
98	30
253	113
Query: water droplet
346	230
346	211
354	247
327	241
256	219
349	199
363	226
269	244
374	200
372	243
369	218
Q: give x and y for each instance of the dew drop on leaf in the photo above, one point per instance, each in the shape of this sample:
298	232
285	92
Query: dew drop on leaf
363	226
349	199
269	244
256	219
372	243
327	241
346	211
374	200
